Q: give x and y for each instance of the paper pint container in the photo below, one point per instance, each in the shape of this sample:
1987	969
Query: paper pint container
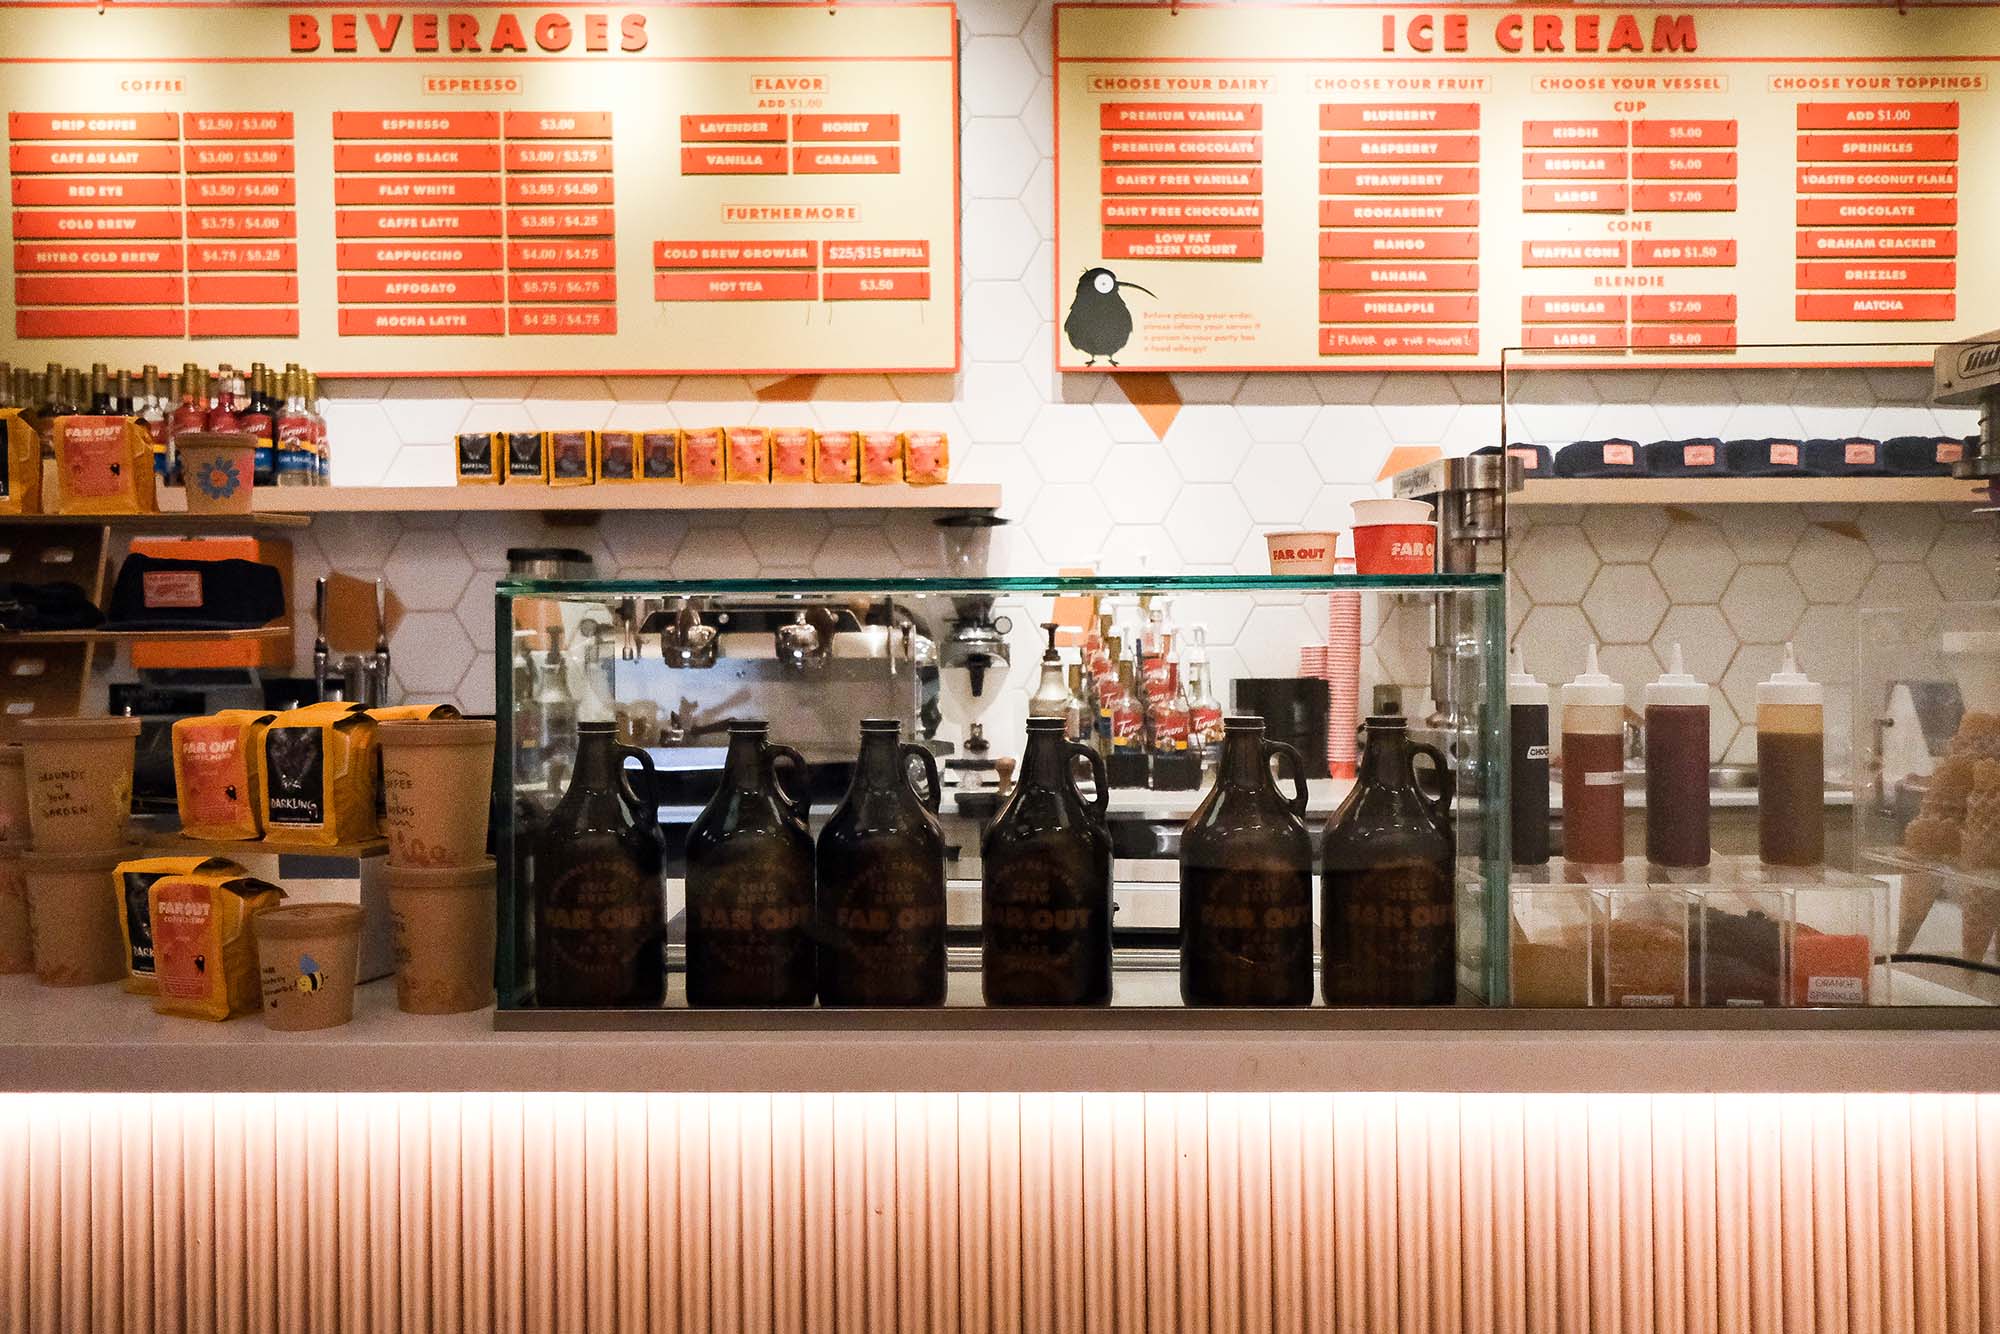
13	796
444	928
1395	548
220	469
79	780
17	948
437	781
1301	553
306	961
73	916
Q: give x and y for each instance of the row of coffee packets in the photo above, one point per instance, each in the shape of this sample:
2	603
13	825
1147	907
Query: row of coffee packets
309	776
704	456
100	465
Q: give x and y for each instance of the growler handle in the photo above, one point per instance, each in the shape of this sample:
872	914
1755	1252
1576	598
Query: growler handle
1101	803
1440	804
1297	801
649	804
803	798
932	795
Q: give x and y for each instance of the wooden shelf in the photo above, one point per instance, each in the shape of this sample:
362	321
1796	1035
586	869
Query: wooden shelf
636	496
262	633
1749	491
167	521
264	847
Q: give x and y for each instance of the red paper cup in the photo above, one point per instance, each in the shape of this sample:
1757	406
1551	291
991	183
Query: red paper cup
1395	548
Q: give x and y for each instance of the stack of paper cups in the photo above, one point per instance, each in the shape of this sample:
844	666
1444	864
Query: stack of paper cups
1316	662
1343	683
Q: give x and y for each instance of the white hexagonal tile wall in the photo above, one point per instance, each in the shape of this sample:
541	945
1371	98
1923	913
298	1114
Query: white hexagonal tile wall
1760	533
1630	665
995	76
475	688
420	413
429	653
1416	409
1555	562
1068	524
1625	604
1620	533
1207	444
1707	643
1554	639
998	401
1138	483
1068	442
1693	561
1209	523
1763	604
1277	483
428	570
1831	566
1825	644
1278	408
1000	322
1348	443
1753	663
1961	561
998	239
1907	585
1898	533
475	610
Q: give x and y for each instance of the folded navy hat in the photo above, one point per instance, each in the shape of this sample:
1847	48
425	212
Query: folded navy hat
1771	456
1601	458
1536	460
1702	457
164	593
1849	456
1922	455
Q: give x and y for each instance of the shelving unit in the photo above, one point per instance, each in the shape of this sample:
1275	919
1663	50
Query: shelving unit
169	521
604	498
1749	491
265	847
262	633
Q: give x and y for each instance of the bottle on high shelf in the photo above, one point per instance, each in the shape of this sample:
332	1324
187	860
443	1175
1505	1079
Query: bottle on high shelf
1204	713
1127	761
151	409
322	441
101	401
223	414
254	419
7	399
298	465
190	410
51	406
1079	714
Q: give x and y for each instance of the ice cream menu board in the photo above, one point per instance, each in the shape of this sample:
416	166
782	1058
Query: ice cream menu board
1244	187
764	188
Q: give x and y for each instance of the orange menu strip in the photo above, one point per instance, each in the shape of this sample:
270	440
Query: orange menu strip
1572	309
735	254
1399	180
1183	212
276	223
416	124
239	157
97	257
1691	197
1399	245
1163	244
1362	342
90	158
1852	211
405	321
735	286
265	322
1573	254
1697	308
125	290
1582	336
1397	308
1401	148
104	322
1690	336
558	157
426	223
877	160
1338	275
558	190
424	254
1879	273
72	126
1863	180
558	124
1181	148
1399	116
1183	180
242	190
418	288
1878	115
1685	166
736	160
568	320
237	125
1573	134
1180	116
1574	166
561	287
846	129
1399	212
1817	306
416	190
279	256
96	191
1684	134
876	254
1911	243
242	289
1683	254
437	157
560	255
55	226
877	286
732	130
1575	198
560	222
1878	148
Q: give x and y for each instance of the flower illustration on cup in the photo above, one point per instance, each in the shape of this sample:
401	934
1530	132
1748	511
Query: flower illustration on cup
219	479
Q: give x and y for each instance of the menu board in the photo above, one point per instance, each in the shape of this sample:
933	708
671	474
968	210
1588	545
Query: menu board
1246	187
750	188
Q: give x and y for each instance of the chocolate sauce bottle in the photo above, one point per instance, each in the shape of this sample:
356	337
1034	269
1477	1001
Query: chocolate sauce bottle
600	910
1388	926
1046	901
750	882
881	880
1246	880
1677	803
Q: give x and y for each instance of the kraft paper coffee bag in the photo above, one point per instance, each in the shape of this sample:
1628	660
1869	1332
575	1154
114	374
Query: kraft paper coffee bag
837	456
205	957
881	457
792	454
701	456
104	465
926	458
20	465
133	883
749	454
215	774
317	769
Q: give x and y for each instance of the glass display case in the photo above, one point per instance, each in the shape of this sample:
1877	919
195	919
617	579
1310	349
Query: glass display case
913	715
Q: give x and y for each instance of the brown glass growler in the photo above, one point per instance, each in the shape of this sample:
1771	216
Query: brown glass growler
750	882
1046	904
1246	880
600	911
1388	927
881	881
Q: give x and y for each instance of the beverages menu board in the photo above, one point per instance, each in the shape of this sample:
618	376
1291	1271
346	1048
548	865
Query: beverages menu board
763	188
1244	187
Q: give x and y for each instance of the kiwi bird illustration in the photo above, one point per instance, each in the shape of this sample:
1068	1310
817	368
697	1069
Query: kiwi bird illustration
1099	325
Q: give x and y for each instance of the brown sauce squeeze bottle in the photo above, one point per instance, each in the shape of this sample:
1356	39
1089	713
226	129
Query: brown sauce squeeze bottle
1677	768
1593	768
1791	768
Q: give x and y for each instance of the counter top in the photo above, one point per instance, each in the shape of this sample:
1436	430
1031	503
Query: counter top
101	1039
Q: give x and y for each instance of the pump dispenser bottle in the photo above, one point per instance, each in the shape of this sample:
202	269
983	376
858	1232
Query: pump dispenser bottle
1791	768
1528	764
1677	768
1593	763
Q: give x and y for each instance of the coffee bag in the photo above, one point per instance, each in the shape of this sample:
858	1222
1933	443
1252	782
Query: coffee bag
20	465
104	465
215	774
317	771
205	957
132	881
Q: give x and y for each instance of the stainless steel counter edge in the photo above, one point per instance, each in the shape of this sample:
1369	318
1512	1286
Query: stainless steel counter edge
101	1040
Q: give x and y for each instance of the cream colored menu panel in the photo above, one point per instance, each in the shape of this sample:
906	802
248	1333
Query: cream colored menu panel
1248	187
684	188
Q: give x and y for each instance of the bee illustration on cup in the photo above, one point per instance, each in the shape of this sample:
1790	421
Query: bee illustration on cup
311	979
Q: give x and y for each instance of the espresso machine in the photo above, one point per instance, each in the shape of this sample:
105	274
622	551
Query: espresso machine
1967	375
